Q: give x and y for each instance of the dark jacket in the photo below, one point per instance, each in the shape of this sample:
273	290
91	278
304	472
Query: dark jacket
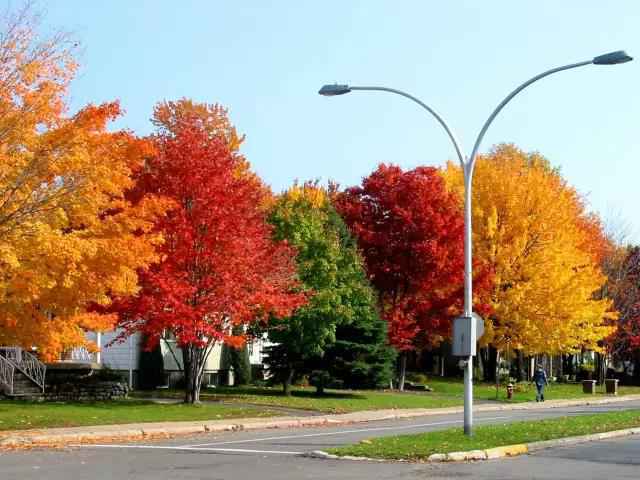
540	377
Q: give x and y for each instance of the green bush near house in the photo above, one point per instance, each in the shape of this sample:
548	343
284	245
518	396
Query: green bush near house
238	359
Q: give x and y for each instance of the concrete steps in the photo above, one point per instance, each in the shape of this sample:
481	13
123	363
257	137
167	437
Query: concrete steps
24	386
21	373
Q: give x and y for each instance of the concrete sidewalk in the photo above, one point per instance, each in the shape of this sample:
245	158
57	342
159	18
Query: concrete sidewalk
59	437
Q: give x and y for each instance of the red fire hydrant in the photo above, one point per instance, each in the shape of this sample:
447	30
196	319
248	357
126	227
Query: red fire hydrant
510	391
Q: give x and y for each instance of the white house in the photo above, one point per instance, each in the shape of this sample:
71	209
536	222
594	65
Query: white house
214	371
119	356
124	357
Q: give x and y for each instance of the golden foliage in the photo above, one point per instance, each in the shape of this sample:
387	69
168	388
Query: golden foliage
310	191
69	239
544	249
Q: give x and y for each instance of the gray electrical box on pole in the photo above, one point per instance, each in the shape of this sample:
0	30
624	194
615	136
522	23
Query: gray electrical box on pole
463	345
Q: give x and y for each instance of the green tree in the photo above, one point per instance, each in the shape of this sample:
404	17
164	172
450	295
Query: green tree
360	356
318	337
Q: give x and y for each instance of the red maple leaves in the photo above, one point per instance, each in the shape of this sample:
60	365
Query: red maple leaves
410	230
624	287
219	265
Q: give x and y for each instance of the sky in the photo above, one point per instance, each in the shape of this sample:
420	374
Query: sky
265	61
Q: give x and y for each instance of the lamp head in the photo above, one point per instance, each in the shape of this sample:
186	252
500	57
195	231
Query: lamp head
612	58
333	90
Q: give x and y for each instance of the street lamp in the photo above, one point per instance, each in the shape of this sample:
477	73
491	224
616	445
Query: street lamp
468	164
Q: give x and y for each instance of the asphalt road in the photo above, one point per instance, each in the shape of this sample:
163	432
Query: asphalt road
276	454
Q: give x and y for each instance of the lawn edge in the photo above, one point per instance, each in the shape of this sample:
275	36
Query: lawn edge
489	453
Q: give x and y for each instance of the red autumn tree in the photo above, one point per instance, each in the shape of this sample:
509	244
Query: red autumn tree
219	269
623	286
410	230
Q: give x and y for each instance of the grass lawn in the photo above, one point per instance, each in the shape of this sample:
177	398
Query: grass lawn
333	401
24	415
446	393
525	393
420	446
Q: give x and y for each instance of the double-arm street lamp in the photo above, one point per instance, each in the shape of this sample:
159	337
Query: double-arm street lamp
468	164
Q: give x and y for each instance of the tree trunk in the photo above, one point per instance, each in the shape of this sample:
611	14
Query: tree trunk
491	365
403	370
496	372
636	368
195	387
481	363
288	380
570	367
187	365
520	368
599	364
193	369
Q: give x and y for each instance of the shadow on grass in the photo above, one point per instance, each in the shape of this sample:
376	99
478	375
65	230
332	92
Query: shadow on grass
274	392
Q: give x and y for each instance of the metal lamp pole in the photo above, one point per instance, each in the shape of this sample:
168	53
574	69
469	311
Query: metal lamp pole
468	164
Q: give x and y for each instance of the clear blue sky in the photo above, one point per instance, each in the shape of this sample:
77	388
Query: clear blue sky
265	61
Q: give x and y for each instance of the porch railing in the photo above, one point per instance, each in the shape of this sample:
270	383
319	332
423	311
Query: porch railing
7	370
12	358
79	354
33	368
14	354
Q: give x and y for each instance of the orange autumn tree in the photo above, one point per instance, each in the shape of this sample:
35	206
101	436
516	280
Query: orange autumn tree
545	250
68	238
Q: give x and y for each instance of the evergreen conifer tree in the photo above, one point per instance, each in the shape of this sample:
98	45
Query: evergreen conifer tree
338	335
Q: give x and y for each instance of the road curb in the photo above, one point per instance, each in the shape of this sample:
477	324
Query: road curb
59	437
328	456
490	453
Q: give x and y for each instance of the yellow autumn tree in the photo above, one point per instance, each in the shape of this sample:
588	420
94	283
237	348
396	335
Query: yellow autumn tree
532	228
69	237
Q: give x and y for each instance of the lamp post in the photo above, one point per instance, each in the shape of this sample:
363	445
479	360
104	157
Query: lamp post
468	164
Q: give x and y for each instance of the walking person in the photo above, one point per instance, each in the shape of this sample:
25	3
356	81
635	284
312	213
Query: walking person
540	379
